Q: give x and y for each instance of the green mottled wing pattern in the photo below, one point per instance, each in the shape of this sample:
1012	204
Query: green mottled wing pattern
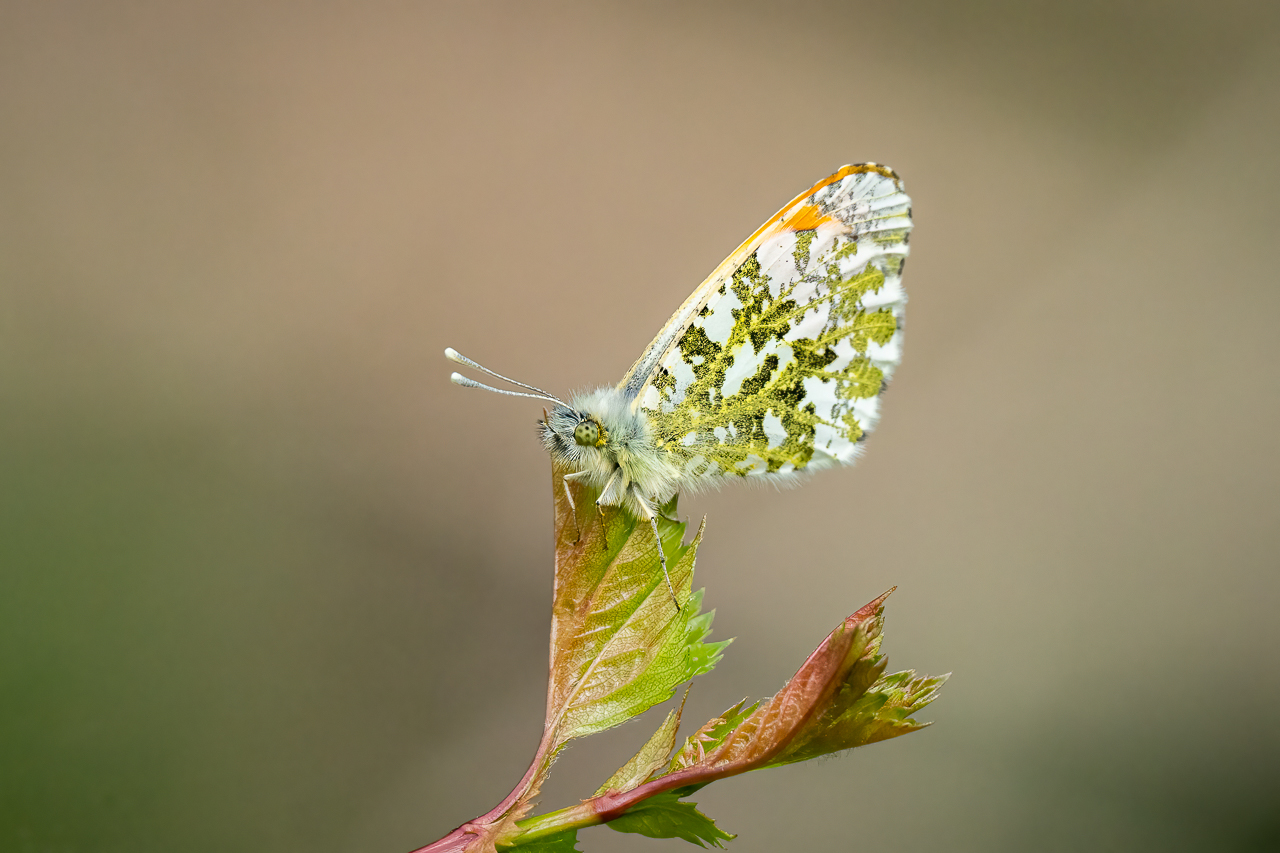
781	361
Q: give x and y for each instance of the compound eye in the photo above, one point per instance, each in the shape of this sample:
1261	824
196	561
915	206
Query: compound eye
587	433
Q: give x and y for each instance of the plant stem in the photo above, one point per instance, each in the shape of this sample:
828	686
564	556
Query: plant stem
573	817
606	807
457	840
592	812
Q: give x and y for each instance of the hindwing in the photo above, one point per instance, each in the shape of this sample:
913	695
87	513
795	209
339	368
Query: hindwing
777	361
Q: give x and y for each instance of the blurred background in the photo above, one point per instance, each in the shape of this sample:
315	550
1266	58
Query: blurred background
269	582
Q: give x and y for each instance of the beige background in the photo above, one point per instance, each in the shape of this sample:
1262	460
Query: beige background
268	582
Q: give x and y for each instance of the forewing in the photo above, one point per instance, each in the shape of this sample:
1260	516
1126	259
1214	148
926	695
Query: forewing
777	362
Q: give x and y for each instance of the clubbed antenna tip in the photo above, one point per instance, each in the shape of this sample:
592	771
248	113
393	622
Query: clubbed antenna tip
458	379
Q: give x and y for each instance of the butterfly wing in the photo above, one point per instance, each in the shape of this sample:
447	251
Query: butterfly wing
777	361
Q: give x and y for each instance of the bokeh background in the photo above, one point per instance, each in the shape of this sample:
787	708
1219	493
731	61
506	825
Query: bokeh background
269	582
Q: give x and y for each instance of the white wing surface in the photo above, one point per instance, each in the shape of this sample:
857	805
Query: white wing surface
776	363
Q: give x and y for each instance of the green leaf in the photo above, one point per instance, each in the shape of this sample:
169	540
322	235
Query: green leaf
666	816
883	712
867	706
711	736
838	699
702	656
565	841
651	757
620	644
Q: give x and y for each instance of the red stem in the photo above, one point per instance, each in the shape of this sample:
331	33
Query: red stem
462	836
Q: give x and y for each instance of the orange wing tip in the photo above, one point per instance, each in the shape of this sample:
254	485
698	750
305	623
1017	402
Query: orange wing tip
804	219
809	216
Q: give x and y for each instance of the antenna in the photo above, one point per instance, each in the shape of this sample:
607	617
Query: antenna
458	379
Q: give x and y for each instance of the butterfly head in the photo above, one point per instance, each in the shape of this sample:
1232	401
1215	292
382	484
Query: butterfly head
592	428
571	434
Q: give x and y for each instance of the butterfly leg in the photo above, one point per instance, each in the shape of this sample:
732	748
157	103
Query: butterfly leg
573	507
648	512
607	499
617	481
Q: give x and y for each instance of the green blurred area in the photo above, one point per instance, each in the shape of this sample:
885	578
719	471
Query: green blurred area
269	582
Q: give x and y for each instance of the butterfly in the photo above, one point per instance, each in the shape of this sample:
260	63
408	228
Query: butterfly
771	369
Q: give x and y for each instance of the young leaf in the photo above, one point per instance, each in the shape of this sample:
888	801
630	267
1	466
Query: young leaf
666	816
882	712
619	643
651	757
838	699
703	656
711	736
